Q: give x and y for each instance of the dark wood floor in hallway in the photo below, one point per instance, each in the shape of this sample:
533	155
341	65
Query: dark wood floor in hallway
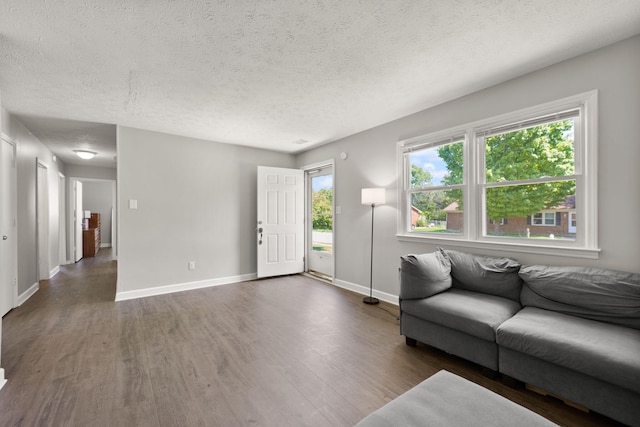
289	351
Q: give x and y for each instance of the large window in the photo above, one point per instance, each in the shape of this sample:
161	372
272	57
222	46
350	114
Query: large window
529	167
435	185
519	180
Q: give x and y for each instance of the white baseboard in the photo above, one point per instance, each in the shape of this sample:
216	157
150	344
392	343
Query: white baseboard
54	271
3	381
23	297
364	290
105	245
169	289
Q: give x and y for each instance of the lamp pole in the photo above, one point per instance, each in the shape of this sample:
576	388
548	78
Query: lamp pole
370	299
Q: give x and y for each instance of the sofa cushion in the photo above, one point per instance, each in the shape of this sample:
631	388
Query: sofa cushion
593	293
474	313
490	275
601	350
424	275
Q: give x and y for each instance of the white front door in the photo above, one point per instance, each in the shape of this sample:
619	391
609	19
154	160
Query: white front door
572	222
8	234
78	216
280	227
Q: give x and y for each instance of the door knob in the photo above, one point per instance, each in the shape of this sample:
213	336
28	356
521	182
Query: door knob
4	237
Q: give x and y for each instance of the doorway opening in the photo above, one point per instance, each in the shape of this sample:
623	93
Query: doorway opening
8	229
320	248
92	205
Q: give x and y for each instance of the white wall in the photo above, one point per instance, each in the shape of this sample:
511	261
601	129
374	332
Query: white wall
29	148
613	71
196	202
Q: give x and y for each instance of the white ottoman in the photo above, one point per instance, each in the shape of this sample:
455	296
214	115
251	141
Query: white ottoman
448	400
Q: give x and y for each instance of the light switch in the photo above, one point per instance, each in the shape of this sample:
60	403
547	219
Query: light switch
133	204
338	210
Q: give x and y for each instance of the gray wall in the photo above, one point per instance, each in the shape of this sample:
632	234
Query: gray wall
29	148
77	171
613	71
196	202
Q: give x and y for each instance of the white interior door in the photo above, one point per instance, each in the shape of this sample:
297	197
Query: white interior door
42	209
280	228
78	216
8	244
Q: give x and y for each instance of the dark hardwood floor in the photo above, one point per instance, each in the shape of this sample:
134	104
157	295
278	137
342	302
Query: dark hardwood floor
290	351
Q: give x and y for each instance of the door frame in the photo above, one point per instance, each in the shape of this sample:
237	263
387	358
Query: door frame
13	200
62	219
71	205
43	205
309	223
72	228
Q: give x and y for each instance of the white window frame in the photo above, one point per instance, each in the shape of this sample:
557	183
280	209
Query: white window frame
585	244
434	140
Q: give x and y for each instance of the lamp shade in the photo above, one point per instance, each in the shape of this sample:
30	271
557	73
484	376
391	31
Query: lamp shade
373	196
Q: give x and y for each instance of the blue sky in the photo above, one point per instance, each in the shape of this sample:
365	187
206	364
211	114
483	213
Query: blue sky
429	160
321	182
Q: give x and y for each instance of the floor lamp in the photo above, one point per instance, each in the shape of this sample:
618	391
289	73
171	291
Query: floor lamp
373	197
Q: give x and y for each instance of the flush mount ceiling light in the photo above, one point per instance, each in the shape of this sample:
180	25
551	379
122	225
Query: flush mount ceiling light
85	154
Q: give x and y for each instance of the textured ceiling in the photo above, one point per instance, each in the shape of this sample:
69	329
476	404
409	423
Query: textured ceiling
267	73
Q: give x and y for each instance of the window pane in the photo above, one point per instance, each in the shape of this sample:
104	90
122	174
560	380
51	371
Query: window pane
549	218
437	166
322	212
538	211
437	211
531	153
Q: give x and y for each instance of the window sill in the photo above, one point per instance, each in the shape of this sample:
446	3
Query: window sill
553	250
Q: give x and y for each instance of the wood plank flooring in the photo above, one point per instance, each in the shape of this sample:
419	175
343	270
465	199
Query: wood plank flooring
290	351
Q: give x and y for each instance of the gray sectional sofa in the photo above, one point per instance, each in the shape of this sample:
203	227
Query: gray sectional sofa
572	331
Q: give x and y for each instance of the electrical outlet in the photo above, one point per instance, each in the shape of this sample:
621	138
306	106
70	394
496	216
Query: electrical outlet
192	265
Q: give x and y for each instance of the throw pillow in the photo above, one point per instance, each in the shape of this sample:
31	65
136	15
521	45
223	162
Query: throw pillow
424	275
490	275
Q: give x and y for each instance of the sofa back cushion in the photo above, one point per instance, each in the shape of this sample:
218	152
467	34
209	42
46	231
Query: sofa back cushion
593	293
490	275
424	275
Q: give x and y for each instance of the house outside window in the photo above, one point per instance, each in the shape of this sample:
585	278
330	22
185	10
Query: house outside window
517	180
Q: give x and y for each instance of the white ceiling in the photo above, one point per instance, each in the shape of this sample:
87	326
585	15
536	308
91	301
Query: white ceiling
268	73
